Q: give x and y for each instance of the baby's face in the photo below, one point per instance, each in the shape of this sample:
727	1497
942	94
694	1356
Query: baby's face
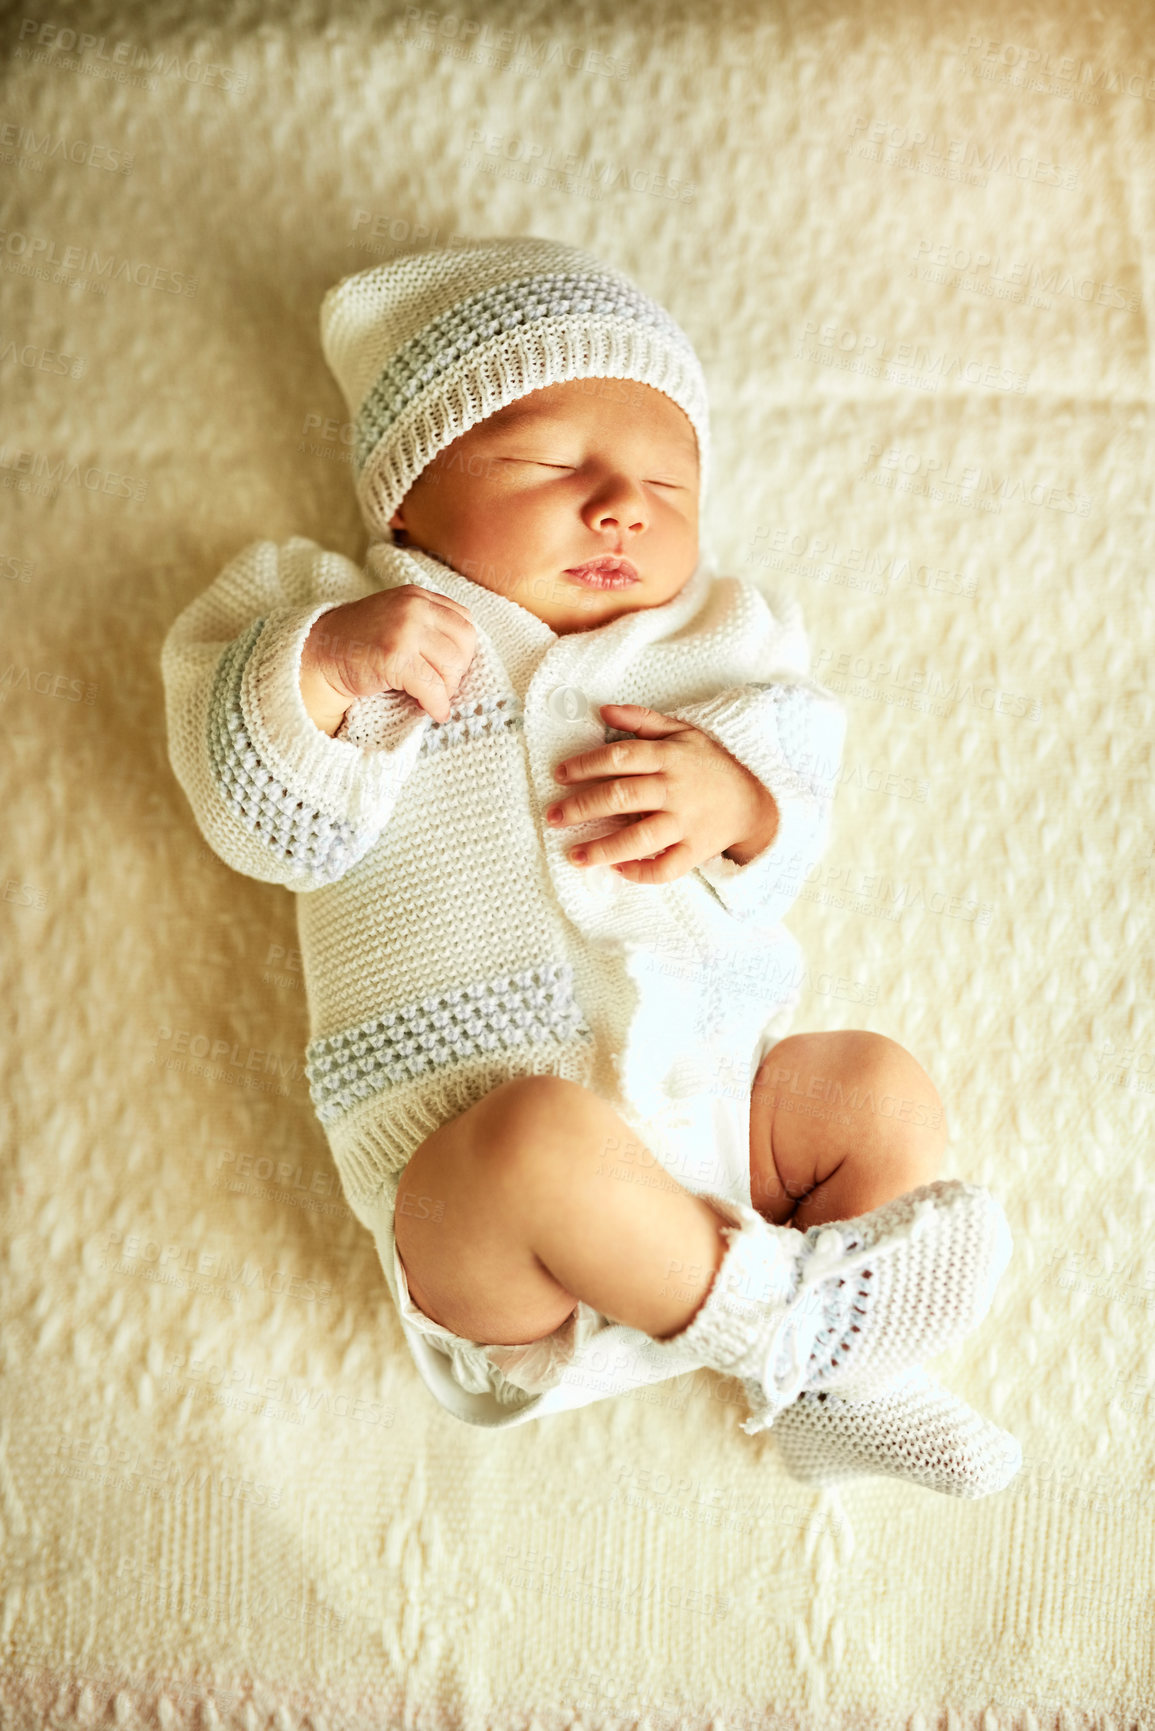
567	473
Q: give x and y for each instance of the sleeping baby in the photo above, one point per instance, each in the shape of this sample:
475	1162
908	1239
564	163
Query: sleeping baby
546	785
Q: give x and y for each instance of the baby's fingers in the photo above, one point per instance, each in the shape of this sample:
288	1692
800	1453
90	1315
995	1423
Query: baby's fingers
636	718
676	862
430	687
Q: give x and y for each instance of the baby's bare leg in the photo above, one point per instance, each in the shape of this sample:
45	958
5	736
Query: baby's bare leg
529	1224
840	1123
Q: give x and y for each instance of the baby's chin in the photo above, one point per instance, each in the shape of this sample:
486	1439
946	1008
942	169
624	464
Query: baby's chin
566	606
569	607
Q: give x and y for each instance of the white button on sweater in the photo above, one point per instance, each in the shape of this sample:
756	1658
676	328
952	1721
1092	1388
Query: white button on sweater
447	941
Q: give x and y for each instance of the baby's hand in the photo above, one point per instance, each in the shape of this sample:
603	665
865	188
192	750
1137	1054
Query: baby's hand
404	639
696	800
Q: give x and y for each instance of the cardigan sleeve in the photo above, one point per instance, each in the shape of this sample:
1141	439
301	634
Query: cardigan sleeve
274	796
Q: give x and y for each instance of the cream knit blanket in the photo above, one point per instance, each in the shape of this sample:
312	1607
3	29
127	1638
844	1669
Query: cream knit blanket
914	253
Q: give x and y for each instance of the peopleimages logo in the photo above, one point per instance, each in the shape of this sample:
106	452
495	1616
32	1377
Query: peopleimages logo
125	57
39	254
601	174
37	359
45	148
34	471
954	158
473	39
1022	274
931	366
130	1465
846	665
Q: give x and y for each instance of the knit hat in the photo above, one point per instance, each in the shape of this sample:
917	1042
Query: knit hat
433	342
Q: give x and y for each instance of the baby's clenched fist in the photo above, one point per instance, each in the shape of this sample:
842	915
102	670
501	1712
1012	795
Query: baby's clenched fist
403	639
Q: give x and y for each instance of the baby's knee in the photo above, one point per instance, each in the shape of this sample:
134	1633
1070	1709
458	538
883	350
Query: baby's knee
871	1096
896	1106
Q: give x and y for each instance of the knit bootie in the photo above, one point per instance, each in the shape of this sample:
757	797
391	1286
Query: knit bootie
915	1430
848	1305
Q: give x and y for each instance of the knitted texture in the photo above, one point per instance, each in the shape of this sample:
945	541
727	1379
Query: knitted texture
915	1430
448	943
426	346
852	1304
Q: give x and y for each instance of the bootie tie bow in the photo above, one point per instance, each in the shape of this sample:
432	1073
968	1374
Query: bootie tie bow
850	1305
819	1318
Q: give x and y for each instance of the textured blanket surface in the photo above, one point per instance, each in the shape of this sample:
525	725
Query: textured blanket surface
914	249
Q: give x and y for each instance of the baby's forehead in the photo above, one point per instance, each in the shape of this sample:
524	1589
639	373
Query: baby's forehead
583	399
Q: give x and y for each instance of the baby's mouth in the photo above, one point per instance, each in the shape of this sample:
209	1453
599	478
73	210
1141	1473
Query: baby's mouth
609	571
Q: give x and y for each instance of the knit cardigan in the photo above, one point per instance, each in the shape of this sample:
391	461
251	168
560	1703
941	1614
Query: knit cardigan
447	941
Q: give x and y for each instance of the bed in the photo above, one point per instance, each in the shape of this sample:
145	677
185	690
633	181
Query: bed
914	251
